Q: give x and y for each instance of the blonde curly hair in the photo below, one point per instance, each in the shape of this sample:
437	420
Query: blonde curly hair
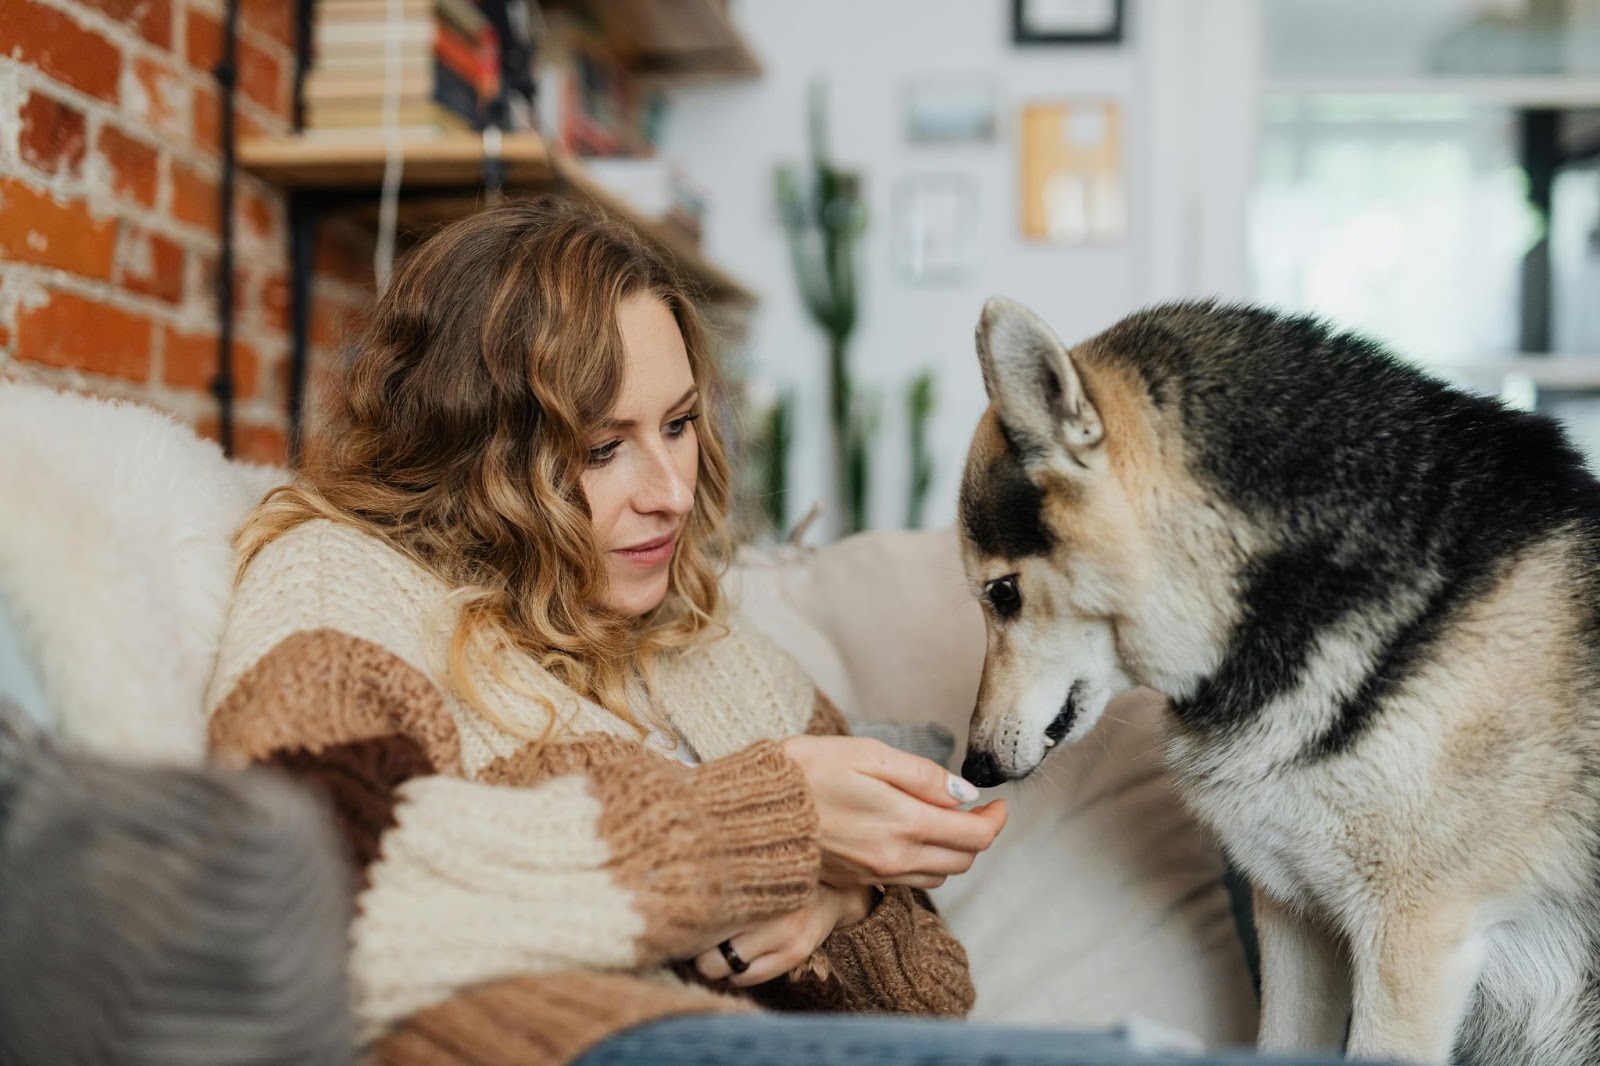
462	431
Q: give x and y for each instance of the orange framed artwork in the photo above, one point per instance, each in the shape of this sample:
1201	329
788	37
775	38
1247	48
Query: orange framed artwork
1074	186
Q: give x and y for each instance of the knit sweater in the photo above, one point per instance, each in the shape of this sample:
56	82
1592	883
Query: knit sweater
519	902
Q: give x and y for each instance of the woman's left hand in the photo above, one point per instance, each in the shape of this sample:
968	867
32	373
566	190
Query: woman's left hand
774	947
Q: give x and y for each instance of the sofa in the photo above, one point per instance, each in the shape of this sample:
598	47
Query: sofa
1101	902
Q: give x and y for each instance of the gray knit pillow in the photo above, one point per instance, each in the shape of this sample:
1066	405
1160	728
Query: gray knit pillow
165	916
927	739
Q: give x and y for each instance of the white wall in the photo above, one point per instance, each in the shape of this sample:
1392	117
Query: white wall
1186	77
1313	39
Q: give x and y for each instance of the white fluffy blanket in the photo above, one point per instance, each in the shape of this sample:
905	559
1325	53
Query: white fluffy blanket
115	523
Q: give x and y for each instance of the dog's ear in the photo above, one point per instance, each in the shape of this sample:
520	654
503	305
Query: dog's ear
1031	379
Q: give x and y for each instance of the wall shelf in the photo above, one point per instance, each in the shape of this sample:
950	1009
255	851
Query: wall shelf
1519	92
442	177
355	162
680	40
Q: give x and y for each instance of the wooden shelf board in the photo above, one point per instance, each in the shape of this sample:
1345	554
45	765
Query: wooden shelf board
448	170
719	65
677	39
324	161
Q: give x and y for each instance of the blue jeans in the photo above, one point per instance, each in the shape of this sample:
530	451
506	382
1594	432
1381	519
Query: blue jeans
846	1040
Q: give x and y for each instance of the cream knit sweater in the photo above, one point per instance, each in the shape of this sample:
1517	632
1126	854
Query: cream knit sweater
519	904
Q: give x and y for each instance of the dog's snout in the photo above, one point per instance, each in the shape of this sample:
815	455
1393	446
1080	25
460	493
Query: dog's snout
982	769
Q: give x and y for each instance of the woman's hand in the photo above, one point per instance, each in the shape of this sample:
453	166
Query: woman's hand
889	817
776	946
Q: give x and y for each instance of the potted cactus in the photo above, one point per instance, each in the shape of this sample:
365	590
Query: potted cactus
824	219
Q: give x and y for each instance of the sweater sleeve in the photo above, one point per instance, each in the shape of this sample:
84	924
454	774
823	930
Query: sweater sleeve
620	861
899	959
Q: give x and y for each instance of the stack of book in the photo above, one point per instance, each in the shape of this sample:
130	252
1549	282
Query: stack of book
446	71
591	104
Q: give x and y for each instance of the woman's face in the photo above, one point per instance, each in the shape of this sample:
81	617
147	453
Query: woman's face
644	462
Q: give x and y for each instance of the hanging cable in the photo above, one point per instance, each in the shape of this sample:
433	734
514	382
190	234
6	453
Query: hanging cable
394	152
222	386
493	167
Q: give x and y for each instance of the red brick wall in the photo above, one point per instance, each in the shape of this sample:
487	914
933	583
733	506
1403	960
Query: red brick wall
109	234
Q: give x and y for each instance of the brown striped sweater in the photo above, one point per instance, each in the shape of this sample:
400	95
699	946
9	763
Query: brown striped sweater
519	904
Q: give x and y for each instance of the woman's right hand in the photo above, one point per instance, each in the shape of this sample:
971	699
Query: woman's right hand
886	816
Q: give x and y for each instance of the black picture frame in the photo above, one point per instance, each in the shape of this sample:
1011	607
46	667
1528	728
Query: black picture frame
1022	35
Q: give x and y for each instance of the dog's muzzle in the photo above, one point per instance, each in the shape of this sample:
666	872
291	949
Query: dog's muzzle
983	769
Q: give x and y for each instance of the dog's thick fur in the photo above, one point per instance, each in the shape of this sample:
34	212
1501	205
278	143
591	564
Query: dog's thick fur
1372	603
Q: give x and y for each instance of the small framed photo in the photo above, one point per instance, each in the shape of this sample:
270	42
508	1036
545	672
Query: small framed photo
951	110
935	227
1066	21
1074	187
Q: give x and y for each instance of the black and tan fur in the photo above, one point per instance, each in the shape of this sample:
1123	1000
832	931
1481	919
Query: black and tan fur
1371	601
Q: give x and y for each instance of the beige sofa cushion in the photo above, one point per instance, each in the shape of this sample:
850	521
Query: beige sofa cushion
1103	899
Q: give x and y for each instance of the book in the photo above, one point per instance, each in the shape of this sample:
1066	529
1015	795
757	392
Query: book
359	73
413	114
366	80
331	11
446	53
445	88
520	30
344	64
590	103
371	35
462	14
475	59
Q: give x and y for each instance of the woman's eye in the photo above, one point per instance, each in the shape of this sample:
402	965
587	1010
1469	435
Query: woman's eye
678	426
1003	595
602	455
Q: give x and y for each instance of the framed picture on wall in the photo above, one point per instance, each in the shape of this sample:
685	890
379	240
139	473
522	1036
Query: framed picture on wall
950	110
1066	21
1074	190
935	227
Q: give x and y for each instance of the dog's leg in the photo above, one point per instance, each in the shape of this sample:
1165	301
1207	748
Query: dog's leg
1305	983
1413	977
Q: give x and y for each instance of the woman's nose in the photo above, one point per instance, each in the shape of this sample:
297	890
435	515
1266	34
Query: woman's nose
662	487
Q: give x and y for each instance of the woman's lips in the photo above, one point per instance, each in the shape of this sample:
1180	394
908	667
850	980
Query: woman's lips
650	553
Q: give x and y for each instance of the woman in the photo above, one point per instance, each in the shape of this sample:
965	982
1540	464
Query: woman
486	619
580	795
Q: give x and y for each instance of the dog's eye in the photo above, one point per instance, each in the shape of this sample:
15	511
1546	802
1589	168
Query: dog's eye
1003	595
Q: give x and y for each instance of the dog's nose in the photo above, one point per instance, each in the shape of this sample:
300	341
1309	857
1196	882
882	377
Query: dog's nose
982	770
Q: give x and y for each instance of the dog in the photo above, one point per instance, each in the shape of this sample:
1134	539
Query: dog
1373	604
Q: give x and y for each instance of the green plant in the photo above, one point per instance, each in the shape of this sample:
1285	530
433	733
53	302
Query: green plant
922	398
824	219
777	435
